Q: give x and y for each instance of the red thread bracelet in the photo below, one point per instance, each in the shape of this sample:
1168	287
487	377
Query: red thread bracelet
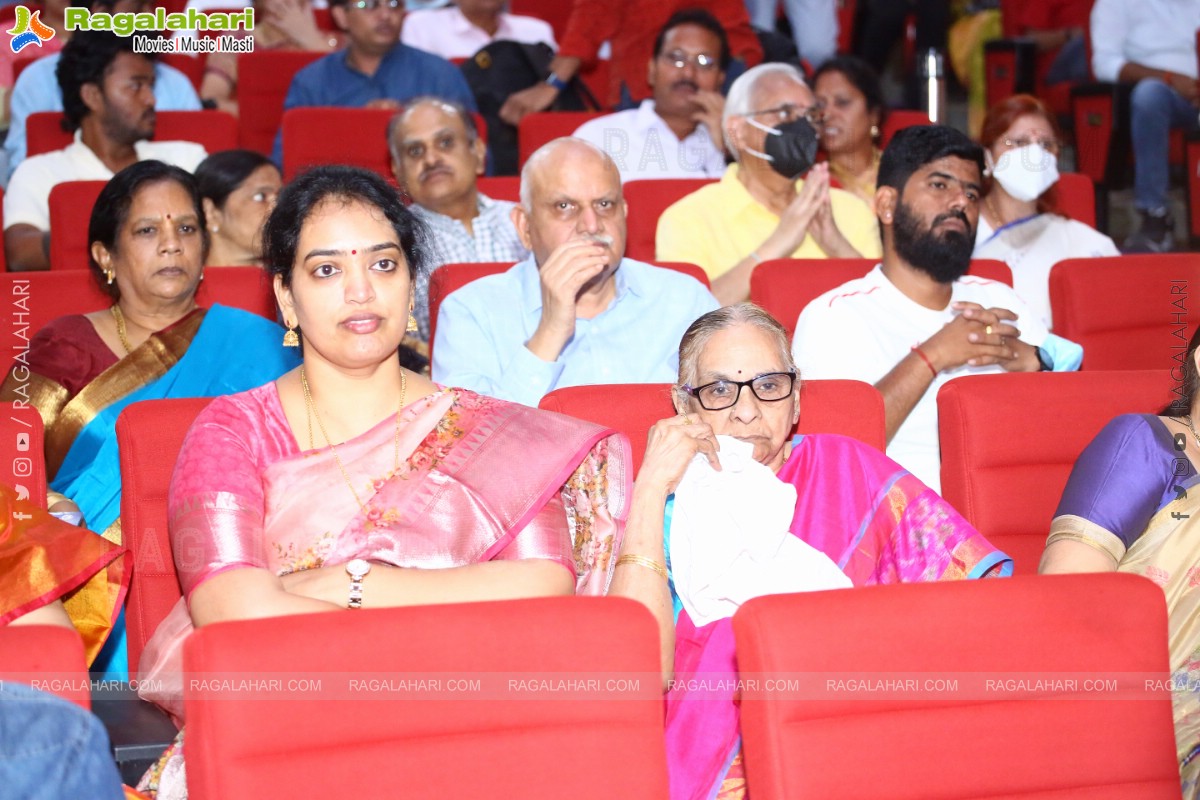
916	349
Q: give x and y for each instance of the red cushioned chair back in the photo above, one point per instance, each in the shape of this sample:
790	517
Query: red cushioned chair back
691	270
1077	197
500	187
248	288
479	726
361	139
214	130
49	654
1009	443
1128	312
149	435
928	673
541	127
645	201
898	120
850	408
21	435
31	299
71	204
448	277
264	77
784	286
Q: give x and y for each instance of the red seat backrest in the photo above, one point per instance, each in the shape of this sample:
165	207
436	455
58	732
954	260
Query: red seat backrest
1061	664
850	408
448	277
49	654
899	119
248	288
71	206
500	187
214	130
192	66
21	433
264	77
541	127
149	435
1128	312
1077	197
784	286
1009	443
361	140
476	672
645	201
34	298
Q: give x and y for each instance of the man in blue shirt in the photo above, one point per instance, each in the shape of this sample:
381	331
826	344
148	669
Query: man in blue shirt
576	312
37	89
374	69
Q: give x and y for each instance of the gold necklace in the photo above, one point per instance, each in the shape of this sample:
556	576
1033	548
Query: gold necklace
115	310
311	410
857	184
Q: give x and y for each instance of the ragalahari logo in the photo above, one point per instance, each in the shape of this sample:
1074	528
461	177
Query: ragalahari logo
28	30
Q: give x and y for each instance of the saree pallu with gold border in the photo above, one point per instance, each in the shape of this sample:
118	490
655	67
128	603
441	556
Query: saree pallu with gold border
207	353
879	524
478	479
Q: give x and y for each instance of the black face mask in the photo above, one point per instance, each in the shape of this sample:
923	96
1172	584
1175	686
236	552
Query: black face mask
791	148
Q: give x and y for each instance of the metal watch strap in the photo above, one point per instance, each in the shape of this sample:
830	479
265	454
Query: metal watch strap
356	592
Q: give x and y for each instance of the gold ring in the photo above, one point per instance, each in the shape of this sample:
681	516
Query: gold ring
988	330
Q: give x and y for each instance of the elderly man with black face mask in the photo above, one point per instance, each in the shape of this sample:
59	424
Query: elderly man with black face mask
915	322
760	210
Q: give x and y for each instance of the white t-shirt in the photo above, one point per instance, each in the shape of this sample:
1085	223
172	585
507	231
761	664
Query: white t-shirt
643	146
1032	246
863	328
447	33
27	200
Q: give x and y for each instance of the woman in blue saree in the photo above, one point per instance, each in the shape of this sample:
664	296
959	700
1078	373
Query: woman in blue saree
148	245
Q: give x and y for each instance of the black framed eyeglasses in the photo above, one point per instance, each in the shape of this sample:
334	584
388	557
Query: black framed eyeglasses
718	395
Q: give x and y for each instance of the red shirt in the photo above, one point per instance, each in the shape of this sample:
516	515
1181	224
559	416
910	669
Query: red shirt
631	26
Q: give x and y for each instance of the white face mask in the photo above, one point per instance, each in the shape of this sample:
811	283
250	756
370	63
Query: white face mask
1025	172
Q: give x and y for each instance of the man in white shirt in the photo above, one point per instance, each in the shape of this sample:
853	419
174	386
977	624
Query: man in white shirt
915	322
677	134
1152	44
436	156
108	100
465	28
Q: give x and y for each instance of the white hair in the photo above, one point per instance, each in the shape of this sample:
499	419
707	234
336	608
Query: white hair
542	153
739	101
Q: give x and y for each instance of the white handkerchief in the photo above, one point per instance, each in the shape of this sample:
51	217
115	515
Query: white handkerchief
731	538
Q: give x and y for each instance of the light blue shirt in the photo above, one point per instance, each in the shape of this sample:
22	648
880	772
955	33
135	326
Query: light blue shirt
483	327
37	90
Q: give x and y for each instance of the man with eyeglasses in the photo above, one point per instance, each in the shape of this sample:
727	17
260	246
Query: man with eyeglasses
917	320
761	209
575	312
436	156
374	70
676	134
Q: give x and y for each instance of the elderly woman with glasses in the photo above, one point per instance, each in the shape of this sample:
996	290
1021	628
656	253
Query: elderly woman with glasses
1019	221
851	517
761	209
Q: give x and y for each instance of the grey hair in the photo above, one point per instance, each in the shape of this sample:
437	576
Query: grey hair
698	334
539	155
449	106
739	101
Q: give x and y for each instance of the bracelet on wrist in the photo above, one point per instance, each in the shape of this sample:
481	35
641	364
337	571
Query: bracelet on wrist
648	563
916	349
558	83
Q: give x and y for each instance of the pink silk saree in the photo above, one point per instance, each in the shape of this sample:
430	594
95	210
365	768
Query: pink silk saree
879	524
478	479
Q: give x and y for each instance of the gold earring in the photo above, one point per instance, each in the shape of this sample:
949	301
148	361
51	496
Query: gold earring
108	273
413	327
290	339
874	131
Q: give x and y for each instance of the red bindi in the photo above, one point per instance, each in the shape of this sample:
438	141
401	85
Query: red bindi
168	216
353	252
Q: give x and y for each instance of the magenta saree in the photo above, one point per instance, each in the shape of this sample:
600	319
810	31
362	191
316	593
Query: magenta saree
879	524
478	479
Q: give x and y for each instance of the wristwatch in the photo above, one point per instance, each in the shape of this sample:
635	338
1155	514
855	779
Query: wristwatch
357	570
1044	360
558	83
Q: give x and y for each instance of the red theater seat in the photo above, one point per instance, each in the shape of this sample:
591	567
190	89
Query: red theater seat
49	654
361	139
214	130
481	724
264	77
645	201
784	286
448	277
501	187
1025	687
71	204
43	296
1128	312
541	127
850	408
1009	442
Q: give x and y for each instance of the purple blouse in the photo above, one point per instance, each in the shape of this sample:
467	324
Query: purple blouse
1126	475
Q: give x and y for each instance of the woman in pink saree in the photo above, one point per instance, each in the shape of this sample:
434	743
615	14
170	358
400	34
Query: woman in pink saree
351	482
864	512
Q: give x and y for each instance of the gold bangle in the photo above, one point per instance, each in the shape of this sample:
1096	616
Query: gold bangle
648	563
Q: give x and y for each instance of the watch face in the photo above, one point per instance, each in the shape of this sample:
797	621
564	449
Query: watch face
358	568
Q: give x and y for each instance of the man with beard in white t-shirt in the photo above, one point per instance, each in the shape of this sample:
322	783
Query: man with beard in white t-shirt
915	322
